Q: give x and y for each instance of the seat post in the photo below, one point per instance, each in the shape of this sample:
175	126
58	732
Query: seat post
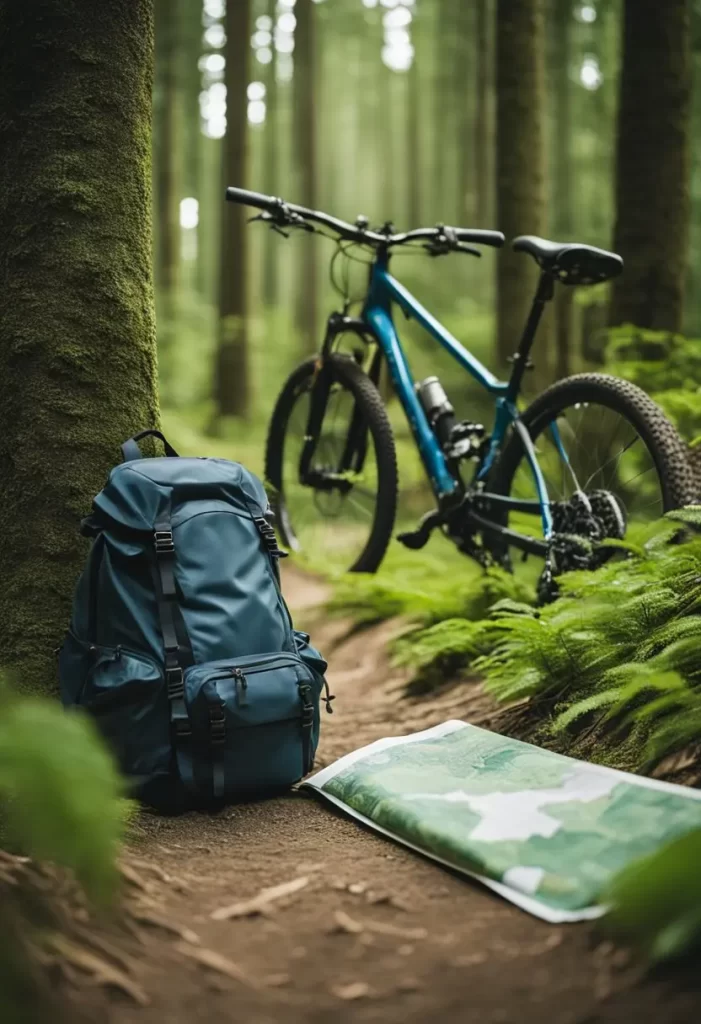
544	293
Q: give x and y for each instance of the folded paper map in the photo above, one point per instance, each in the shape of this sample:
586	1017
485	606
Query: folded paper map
545	831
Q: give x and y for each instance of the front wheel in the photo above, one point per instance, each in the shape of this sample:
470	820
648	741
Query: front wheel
600	437
342	515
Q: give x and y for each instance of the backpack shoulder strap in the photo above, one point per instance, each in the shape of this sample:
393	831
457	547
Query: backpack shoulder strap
177	647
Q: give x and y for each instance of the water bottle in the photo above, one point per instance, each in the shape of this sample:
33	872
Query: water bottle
438	409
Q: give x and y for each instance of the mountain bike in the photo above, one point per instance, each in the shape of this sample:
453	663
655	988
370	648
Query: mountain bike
588	457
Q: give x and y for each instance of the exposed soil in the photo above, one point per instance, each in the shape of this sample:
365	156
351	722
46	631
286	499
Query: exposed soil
377	933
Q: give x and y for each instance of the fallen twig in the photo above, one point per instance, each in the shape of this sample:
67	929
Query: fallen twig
215	962
262	903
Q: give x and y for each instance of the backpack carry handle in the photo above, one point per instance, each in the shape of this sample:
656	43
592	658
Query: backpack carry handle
131	450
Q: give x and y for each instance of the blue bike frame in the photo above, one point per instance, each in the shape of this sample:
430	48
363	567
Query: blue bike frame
377	314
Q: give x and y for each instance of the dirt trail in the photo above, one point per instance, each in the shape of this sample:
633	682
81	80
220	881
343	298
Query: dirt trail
377	933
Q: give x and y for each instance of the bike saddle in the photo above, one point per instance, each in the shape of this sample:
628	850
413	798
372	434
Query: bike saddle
571	262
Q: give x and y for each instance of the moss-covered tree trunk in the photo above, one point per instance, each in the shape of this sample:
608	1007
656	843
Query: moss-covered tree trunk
231	388
77	342
520	171
304	128
653	164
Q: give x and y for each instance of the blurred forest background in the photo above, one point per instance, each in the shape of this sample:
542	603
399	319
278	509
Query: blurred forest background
573	120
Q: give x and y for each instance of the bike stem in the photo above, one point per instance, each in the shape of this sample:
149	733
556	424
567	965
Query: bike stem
521	362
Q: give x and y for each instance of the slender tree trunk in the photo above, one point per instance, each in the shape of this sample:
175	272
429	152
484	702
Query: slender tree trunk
77	348
167	149
520	161
232	371
191	80
563	17
271	143
482	127
413	144
167	152
652	176
304	127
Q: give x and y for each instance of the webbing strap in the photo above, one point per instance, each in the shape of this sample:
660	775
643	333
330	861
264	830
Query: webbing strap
177	648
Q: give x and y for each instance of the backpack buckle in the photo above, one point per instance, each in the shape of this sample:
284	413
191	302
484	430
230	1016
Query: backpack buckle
163	542
174	683
307	706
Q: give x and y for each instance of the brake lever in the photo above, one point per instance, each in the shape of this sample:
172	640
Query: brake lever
461	247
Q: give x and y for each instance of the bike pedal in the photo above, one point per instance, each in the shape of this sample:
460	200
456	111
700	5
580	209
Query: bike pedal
418	538
414	539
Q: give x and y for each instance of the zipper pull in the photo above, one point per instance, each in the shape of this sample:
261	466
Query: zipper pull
240	681
328	698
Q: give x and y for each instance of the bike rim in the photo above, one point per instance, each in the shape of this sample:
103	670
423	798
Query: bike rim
595	448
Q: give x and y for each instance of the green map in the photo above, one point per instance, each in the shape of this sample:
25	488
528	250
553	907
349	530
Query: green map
546	831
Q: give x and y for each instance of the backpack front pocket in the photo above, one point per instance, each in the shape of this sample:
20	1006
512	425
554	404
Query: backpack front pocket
125	694
255	724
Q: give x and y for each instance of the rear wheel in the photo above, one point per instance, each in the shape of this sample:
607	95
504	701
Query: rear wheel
345	520
615	446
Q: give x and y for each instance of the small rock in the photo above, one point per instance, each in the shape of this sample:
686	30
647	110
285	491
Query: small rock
298	952
405	950
357	888
408	985
356	990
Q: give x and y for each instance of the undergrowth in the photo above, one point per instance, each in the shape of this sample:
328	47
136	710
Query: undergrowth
60	801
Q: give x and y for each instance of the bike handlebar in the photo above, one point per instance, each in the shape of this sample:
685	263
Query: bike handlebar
282	214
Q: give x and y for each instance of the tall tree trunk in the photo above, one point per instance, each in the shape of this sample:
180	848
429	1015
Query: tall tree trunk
520	160
167	148
271	143
77	348
304	127
167	152
482	129
563	18
191	80
464	98
232	377
413	144
652	175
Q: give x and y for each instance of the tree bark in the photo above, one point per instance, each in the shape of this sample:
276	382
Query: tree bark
304	128
271	144
232	376
520	161
166	150
482	132
653	164
563	17
77	347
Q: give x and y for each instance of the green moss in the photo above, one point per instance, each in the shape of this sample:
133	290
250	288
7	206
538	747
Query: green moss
78	355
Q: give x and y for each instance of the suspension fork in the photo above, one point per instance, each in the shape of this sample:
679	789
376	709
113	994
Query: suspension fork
355	447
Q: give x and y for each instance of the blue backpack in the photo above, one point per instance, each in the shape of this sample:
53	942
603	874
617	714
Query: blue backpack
181	645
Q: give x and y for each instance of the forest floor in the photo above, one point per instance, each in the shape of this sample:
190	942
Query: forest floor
376	933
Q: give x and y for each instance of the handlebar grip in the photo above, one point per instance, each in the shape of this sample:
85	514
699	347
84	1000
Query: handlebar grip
480	237
247	198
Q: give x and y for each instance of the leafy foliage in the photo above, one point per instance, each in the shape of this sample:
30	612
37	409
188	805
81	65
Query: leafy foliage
656	901
60	791
666	366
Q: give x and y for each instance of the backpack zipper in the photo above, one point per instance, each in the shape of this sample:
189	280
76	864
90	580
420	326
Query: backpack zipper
240	681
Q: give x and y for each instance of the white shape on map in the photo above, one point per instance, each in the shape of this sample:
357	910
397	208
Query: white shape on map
524	879
519	815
